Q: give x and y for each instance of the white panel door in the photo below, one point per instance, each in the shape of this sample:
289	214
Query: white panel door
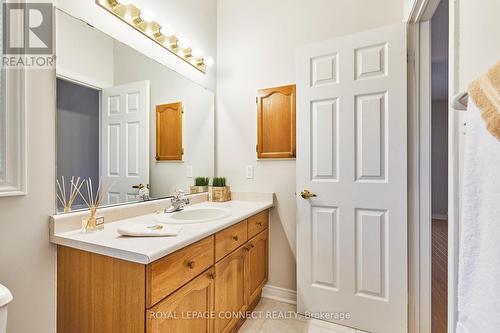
351	153
125	139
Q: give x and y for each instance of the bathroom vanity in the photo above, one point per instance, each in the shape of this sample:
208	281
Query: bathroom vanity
202	280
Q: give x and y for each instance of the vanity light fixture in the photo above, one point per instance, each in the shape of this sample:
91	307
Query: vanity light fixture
144	22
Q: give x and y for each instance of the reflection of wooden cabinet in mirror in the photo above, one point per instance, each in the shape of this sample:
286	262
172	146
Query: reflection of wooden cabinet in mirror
169	132
276	122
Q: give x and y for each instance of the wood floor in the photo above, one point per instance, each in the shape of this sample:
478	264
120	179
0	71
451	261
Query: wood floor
439	276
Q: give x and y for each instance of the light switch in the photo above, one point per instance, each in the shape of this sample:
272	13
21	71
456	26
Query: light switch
189	171
249	171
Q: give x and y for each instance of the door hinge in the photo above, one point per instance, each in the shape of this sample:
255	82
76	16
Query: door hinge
182	109
256	100
182	151
257	148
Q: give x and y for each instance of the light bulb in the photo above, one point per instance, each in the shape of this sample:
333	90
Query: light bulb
147	15
183	43
167	30
197	53
209	61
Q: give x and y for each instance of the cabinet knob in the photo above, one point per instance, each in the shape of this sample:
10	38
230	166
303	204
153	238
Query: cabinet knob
212	275
235	237
247	248
259	224
190	264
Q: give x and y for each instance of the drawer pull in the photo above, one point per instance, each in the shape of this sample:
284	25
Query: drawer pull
248	248
251	245
235	237
259	224
212	275
190	264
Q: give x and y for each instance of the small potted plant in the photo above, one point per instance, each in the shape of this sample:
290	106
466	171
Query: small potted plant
200	185
219	192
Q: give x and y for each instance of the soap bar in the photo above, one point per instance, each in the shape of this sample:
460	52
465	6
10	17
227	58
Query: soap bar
148	230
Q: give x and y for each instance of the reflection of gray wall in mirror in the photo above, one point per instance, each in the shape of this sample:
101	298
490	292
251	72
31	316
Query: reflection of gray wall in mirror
77	133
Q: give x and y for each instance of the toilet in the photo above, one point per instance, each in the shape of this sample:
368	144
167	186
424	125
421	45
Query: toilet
5	298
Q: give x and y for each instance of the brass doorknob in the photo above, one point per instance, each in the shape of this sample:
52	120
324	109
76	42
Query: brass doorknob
306	194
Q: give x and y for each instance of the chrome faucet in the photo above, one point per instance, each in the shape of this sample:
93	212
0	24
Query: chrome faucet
178	202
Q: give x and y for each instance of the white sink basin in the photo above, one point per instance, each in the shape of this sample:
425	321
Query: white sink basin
193	215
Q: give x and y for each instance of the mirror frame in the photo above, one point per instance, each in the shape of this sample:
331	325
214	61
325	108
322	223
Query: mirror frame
13	171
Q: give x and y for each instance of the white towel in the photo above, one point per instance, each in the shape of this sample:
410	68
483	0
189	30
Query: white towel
479	258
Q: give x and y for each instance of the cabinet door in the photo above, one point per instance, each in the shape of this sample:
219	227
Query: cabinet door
276	122
169	132
187	310
230	294
258	260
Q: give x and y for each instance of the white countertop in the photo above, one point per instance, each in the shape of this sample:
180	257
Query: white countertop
145	250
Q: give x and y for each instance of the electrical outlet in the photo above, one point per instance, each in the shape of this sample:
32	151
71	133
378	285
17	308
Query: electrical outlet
249	171
189	171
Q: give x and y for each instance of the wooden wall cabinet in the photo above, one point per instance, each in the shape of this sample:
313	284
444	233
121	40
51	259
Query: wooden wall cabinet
169	132
96	293
276	122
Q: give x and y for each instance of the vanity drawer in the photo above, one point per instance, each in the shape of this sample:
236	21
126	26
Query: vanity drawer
230	239
257	223
166	275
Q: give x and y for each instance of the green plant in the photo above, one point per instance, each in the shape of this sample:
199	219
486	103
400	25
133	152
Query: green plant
201	181
219	182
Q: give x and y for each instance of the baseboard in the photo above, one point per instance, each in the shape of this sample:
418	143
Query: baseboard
439	217
279	294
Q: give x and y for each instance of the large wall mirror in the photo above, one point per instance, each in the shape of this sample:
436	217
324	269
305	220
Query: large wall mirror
126	119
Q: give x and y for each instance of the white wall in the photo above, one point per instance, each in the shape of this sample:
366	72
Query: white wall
198	135
479	36
90	60
256	48
197	20
27	259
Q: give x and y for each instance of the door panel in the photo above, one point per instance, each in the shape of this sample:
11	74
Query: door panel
230	294
351	237
125	139
257	265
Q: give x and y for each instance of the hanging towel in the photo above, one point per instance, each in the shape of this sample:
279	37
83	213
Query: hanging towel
485	92
479	257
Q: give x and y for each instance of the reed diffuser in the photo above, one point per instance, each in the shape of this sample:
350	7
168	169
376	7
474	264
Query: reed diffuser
67	198
93	202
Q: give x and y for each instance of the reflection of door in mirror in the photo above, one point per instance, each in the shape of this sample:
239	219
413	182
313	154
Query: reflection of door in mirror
169	132
125	139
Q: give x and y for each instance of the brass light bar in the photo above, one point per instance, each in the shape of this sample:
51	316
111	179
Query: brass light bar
131	15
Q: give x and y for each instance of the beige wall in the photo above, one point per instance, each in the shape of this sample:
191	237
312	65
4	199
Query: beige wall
27	259
256	45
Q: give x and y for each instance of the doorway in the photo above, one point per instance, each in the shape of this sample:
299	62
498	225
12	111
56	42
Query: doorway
439	167
78	112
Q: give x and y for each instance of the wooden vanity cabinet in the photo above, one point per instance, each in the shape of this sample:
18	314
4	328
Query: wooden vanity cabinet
197	289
